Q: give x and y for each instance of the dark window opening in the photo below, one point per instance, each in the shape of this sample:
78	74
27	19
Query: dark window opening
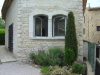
41	26
98	28
84	19
84	31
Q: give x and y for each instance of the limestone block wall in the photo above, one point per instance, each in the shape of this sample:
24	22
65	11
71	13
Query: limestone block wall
86	25
27	9
92	19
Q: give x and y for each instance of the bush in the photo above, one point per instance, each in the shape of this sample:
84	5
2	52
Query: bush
70	37
78	68
41	58
32	56
69	56
2	37
55	57
45	70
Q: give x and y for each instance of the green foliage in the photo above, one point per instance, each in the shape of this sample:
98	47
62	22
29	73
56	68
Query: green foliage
41	58
70	37
45	70
69	56
2	24
56	50
55	57
2	37
78	68
32	56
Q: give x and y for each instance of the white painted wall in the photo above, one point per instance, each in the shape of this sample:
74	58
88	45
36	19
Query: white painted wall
12	17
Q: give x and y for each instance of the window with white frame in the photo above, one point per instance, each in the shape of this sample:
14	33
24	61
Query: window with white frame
41	26
59	25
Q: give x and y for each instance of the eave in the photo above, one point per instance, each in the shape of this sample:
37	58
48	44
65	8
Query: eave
94	8
5	8
7	4
84	6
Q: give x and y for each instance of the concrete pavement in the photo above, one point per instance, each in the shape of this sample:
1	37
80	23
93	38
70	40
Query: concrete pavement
6	56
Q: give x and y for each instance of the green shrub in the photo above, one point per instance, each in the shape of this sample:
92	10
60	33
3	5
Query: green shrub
41	58
45	70
70	37
56	56
78	68
69	56
32	56
2	37
2	24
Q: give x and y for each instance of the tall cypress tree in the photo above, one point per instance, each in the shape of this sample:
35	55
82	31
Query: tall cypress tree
70	37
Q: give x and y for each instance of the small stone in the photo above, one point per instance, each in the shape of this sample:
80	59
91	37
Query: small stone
50	67
68	72
36	66
70	69
65	67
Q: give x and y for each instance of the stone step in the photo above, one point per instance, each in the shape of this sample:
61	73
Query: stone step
6	56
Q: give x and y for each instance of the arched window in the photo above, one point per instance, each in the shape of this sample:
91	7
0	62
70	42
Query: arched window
41	26
59	25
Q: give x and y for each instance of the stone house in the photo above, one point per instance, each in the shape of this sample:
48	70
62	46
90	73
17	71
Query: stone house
91	25
40	24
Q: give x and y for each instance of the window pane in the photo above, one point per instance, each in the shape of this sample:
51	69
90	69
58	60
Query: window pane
41	26
37	27
59	26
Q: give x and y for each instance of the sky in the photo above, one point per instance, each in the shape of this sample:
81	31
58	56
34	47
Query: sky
93	3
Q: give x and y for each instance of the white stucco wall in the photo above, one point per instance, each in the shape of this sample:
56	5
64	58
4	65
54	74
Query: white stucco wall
28	8
12	17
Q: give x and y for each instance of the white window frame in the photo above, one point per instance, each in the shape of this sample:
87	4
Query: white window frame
49	14
58	25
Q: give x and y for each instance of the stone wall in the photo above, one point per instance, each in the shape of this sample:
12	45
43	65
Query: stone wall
85	49
92	20
29	8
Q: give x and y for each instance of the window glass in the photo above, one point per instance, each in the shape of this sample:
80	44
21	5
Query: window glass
41	26
59	24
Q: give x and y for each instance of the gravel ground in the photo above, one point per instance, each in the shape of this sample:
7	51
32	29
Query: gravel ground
18	68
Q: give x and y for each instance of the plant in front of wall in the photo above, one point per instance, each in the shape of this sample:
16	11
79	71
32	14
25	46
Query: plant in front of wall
70	37
78	68
56	56
2	37
69	56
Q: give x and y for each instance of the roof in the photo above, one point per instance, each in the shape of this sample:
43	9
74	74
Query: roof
94	8
7	4
5	7
84	6
85	41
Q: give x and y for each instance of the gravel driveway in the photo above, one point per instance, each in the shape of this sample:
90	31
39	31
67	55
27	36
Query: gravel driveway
18	68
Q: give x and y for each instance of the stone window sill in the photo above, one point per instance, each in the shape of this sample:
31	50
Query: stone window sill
48	38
